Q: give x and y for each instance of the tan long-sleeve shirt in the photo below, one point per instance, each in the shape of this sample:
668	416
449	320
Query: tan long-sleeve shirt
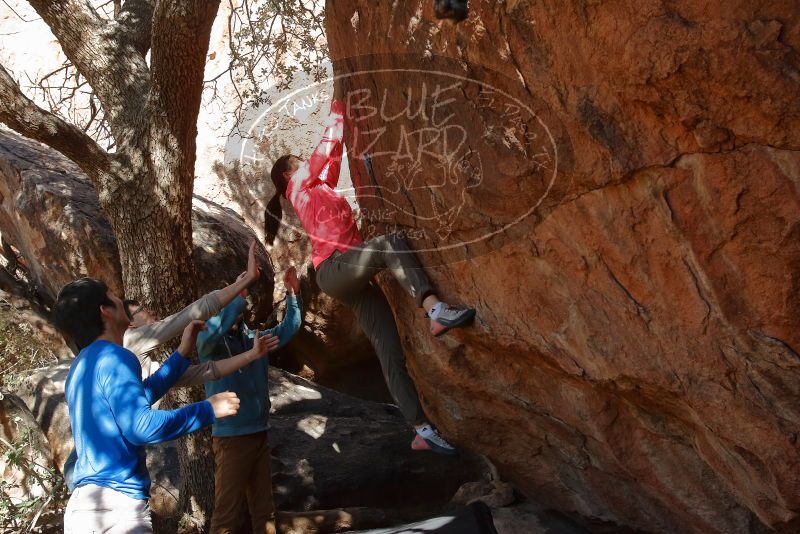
144	339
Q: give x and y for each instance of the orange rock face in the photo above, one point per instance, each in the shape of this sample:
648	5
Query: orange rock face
631	243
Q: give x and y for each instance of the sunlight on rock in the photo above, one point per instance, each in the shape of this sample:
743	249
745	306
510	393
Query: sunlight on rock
305	471
282	397
313	425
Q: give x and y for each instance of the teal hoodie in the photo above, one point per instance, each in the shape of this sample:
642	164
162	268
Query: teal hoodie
218	341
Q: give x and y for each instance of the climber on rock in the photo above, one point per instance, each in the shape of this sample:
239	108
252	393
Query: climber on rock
346	265
110	410
241	452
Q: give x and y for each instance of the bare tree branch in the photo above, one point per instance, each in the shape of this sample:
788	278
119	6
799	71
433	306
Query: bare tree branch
68	95
19	113
20	17
76	25
105	53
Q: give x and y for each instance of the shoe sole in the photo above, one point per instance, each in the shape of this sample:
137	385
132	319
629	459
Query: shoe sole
463	321
422	445
442	451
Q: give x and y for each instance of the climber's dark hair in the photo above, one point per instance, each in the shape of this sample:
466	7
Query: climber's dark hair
76	312
273	214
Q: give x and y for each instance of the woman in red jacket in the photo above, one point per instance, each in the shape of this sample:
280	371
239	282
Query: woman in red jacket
346	265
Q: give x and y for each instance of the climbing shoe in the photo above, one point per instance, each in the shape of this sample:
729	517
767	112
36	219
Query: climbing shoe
446	317
432	441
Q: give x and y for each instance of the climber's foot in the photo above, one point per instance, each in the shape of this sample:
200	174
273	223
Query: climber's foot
418	444
432	441
446	317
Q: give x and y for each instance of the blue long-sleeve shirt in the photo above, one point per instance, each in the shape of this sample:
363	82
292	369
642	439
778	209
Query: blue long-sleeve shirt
218	341
111	416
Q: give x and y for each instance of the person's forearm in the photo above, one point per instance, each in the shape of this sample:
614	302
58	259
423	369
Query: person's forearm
217	326
145	426
336	133
231	365
292	319
146	338
229	292
198	374
310	170
329	146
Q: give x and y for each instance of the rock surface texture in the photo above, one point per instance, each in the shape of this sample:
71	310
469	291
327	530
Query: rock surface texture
630	237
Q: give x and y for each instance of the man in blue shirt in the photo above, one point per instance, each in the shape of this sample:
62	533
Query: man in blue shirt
110	411
241	452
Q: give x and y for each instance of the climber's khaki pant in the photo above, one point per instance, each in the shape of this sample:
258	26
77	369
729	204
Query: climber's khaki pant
242	475
96	510
347	276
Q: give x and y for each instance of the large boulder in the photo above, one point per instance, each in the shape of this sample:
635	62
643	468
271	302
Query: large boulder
221	241
50	213
42	391
624	214
329	450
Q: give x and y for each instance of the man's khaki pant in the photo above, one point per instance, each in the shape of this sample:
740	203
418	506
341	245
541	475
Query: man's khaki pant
242	473
96	510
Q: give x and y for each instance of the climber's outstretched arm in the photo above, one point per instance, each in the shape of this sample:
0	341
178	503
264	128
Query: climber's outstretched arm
327	154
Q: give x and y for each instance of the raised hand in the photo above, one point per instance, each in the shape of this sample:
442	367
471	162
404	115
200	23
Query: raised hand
262	344
290	281
252	273
248	278
189	338
224	404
